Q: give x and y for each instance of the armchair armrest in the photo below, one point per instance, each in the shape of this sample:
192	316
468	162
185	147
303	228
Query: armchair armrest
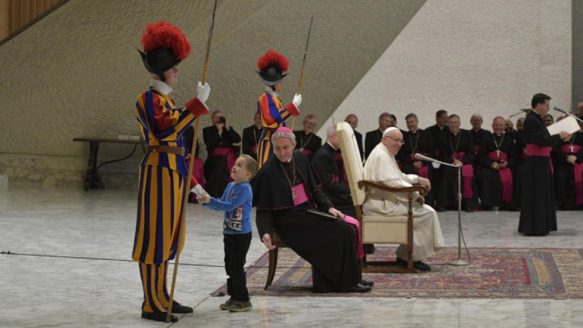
416	187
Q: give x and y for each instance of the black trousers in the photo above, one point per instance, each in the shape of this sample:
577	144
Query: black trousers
236	247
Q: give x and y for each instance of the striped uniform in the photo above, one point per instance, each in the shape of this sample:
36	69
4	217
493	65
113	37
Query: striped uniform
162	185
273	116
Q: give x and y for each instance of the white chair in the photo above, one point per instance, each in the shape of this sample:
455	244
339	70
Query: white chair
376	229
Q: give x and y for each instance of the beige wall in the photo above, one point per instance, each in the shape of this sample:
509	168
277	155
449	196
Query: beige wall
469	56
77	73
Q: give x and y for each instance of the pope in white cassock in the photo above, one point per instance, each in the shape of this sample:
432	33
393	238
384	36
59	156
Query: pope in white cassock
381	167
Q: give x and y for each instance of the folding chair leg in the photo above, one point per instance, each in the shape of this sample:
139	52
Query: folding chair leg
272	267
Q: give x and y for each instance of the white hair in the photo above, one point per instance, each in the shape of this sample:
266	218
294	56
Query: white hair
389	130
331	131
290	135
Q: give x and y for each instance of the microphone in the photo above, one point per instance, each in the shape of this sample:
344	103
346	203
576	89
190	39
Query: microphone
429	159
560	110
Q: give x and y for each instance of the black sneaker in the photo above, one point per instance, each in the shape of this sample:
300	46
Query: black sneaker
238	306
227	304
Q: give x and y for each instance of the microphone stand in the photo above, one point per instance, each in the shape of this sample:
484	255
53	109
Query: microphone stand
570	114
459	261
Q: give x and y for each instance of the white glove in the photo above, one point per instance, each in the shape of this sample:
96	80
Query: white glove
198	190
203	91
297	100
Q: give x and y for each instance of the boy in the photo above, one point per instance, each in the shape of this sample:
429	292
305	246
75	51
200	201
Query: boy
236	202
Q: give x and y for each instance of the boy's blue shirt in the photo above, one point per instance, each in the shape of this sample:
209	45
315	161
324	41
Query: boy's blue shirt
237	203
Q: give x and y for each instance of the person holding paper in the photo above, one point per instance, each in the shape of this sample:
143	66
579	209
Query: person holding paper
537	212
284	189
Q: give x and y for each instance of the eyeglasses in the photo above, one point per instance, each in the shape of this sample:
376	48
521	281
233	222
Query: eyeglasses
399	141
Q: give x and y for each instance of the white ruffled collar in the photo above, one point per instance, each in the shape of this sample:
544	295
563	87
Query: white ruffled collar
271	92
161	87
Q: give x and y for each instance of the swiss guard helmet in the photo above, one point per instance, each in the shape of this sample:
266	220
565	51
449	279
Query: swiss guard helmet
272	67
164	47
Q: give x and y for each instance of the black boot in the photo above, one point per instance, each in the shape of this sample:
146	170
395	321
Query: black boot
179	308
158	316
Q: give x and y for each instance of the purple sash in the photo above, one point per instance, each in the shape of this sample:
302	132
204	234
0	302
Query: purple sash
535	150
299	195
505	175
467	174
359	248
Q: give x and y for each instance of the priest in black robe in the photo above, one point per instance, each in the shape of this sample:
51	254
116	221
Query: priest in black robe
417	141
219	139
328	168
353	121
437	132
373	138
568	168
307	141
457	148
537	212
251	137
496	159
283	190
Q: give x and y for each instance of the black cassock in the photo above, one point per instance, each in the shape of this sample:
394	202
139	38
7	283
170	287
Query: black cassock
329	245
216	167
517	169
420	142
358	137
490	185
447	196
251	136
478	136
438	138
371	140
308	143
569	190
329	171
537	208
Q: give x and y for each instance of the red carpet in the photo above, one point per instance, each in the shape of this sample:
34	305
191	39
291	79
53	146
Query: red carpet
554	273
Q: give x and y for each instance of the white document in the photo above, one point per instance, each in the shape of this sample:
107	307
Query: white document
568	124
198	190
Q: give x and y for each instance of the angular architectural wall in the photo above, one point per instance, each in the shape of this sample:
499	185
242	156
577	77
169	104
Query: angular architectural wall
468	57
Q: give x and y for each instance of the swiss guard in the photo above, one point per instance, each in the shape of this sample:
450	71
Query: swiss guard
163	171
272	68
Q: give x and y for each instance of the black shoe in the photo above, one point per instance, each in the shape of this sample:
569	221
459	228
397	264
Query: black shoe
158	316
358	288
179	308
369	248
421	266
369	283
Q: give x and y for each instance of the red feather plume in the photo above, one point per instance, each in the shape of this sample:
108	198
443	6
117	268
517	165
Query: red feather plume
163	34
272	58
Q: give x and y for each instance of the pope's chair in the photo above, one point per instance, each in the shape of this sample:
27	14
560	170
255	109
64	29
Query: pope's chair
376	229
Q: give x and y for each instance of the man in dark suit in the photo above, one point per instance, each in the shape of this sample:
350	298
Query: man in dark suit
353	121
251	137
373	137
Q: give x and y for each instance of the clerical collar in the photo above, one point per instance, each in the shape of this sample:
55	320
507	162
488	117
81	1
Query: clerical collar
271	92
328	142
161	87
288	161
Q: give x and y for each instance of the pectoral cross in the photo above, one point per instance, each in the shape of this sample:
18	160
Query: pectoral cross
572	148
498	153
294	196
